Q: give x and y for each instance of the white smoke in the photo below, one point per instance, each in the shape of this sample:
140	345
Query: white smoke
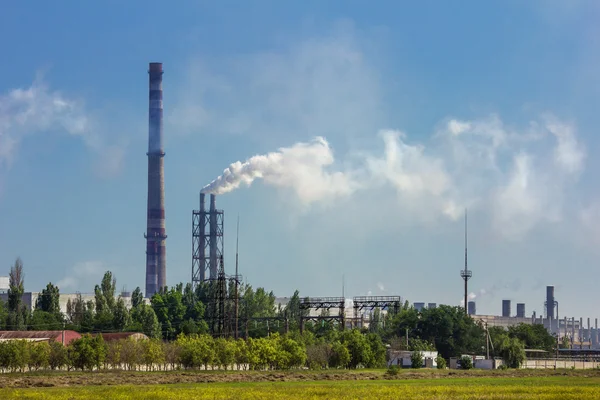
302	168
522	176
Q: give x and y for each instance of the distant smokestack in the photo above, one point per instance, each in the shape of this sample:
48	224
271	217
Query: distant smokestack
550	302
213	237
472	308
506	308
155	230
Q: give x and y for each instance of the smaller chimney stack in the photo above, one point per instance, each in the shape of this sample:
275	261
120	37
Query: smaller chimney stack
213	237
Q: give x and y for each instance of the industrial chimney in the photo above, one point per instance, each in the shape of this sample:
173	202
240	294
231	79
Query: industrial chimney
155	230
212	232
550	302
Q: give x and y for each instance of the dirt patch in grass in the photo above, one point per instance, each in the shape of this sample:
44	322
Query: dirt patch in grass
65	379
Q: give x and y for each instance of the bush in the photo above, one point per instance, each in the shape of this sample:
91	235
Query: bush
416	359
466	362
393	370
503	367
440	361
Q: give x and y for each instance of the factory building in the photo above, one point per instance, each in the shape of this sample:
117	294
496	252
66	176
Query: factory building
471	308
506	308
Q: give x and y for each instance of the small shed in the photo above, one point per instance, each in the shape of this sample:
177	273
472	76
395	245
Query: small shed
402	358
64	337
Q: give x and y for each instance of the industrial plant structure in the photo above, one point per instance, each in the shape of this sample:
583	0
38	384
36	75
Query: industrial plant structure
156	268
207	241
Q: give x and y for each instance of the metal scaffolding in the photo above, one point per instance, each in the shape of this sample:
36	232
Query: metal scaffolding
323	303
390	303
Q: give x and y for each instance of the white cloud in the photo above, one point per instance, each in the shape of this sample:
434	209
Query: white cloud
514	176
38	109
323	86
82	277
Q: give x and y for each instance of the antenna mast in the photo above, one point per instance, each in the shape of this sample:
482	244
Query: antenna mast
466	274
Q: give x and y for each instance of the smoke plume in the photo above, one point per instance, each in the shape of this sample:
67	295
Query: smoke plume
301	167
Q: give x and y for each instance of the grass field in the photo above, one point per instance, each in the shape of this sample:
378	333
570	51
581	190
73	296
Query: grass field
443	387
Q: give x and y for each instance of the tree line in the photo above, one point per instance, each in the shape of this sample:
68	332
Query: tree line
349	349
192	312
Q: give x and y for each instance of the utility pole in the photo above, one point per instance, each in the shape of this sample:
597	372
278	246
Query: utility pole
466	274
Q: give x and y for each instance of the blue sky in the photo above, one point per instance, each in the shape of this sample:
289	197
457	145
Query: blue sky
425	109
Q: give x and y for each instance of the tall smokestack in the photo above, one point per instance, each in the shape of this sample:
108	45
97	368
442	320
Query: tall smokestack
213	237
155	231
550	302
202	244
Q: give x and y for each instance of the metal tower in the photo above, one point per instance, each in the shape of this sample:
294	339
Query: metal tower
207	241
466	274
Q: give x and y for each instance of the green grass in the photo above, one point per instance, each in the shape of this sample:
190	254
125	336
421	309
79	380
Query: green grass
555	387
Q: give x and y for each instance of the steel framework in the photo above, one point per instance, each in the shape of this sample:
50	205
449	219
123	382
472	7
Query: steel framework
392	303
207	241
322	303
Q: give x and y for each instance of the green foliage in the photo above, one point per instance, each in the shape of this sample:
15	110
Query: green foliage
533	336
48	299
359	348
393	370
440	361
447	328
46	321
17	311
57	357
87	352
466	362
512	351
416	359
39	355
137	297
340	356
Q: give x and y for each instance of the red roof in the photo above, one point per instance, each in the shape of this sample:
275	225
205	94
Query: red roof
64	337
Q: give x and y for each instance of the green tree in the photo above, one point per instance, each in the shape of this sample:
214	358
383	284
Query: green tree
137	298
378	351
48	299
17	311
82	353
143	319
340	356
451	330
45	321
40	355
359	348
58	355
152	352
512	351
3	315
241	353
121	317
224	352
533	336
170	311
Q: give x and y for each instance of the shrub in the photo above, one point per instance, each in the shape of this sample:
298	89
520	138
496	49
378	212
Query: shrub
440	361
416	359
466	362
393	370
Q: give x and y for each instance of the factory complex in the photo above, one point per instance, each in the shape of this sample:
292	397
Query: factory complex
207	260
